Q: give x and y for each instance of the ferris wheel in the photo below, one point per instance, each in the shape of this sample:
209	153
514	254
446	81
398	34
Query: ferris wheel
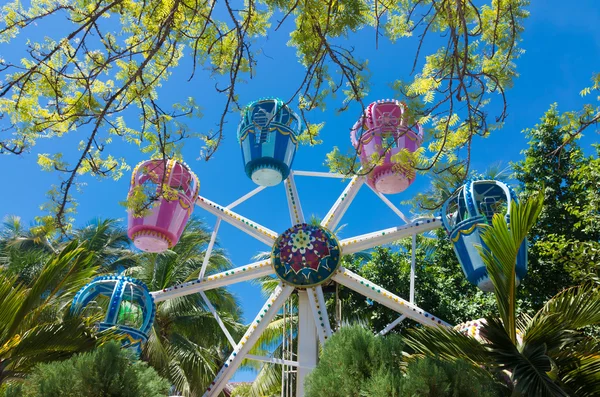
315	254
305	258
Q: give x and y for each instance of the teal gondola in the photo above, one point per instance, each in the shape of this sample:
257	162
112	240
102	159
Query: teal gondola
268	136
463	216
128	304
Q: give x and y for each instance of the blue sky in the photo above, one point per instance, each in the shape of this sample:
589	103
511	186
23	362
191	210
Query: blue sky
562	43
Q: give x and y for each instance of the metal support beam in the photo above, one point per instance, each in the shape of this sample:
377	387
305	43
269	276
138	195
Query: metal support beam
296	214
212	309
255	230
307	342
316	313
335	214
381	237
413	253
245	197
413	264
271	360
258	325
321	174
322	311
208	252
366	288
390	204
391	325
233	276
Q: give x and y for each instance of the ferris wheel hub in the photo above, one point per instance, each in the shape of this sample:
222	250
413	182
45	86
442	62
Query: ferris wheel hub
306	255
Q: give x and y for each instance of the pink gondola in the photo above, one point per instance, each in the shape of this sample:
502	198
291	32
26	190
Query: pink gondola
378	135
173	187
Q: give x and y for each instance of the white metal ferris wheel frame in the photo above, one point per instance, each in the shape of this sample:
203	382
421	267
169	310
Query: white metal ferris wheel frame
313	320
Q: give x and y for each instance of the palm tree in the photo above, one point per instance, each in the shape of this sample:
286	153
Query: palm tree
186	344
108	240
549	354
23	251
35	325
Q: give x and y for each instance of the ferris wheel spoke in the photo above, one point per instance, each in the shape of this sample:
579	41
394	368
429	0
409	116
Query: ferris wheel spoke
386	236
228	277
249	227
212	309
335	214
390	205
258	325
392	325
293	200
372	291
319	310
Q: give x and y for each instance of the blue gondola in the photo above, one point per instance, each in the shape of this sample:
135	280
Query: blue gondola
129	307
464	214
268	135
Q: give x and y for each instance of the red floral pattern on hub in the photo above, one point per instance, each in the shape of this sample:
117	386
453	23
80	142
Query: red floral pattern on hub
306	255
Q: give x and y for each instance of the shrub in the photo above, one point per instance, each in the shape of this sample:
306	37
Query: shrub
357	363
429	377
108	371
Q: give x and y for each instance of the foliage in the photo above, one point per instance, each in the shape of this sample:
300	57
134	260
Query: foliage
242	390
115	55
245	390
563	244
34	325
440	285
106	371
353	362
186	345
548	354
431	377
444	185
23	252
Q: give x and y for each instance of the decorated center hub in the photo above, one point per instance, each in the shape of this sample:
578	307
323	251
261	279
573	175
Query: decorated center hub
306	255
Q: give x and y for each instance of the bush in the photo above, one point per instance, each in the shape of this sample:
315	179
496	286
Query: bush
108	371
429	377
357	363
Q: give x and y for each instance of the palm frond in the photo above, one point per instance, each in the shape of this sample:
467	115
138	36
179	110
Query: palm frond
63	275
447	344
580	368
500	253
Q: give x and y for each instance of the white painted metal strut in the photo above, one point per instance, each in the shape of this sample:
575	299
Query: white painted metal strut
246	197
322	311
228	277
413	260
366	288
312	301
413	265
392	325
390	205
255	230
208	252
258	325
212	309
321	174
307	342
296	214
386	236
272	360
335	214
